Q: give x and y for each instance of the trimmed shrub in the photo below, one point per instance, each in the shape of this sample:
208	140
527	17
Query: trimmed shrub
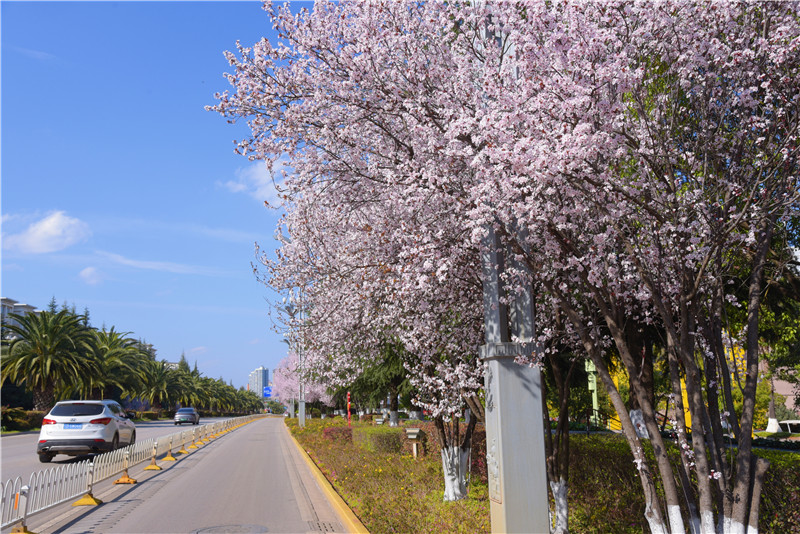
152	416
380	439
366	418
21	420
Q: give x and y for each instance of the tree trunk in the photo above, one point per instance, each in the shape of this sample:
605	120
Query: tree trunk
45	398
557	450
559	491
671	493
394	404
455	457
744	469
758	482
454	465
772	423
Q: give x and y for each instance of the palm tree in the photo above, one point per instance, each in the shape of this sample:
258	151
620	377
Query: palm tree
187	394
222	396
159	383
50	353
120	359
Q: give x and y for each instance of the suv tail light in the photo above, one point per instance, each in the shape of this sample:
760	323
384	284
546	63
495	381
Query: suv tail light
48	421
101	421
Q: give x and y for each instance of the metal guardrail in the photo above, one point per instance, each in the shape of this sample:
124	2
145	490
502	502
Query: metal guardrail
57	485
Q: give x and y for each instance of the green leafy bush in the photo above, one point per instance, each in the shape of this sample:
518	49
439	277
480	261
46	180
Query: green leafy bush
380	438
18	419
152	416
773	443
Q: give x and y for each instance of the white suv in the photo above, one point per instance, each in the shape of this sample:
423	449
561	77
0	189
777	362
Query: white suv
83	427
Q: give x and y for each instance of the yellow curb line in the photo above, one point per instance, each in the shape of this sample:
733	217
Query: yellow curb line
349	520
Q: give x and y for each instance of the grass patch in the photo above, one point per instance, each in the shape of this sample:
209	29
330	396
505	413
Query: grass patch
391	491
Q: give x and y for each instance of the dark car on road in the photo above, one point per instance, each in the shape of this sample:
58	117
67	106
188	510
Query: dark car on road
187	415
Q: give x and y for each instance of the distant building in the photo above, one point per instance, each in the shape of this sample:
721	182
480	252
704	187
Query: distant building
10	306
259	379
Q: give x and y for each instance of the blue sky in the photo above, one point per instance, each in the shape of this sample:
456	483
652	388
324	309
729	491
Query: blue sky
120	193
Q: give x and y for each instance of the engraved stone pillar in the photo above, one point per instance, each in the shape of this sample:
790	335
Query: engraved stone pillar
515	454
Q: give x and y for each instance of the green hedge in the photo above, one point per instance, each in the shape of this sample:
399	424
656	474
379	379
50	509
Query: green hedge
380	438
18	419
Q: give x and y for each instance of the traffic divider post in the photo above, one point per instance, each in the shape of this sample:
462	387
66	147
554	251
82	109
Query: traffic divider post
21	527
153	465
125	479
194	442
88	499
183	444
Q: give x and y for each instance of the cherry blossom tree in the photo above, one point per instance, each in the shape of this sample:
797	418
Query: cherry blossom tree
631	155
373	263
286	383
678	133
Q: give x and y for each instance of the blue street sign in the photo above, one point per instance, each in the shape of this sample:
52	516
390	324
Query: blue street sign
267	392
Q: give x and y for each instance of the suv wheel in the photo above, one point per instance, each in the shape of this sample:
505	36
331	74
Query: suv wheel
115	442
133	438
45	457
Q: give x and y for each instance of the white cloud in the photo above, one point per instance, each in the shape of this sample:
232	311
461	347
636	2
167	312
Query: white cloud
55	232
35	54
164	266
256	181
183	229
91	276
198	350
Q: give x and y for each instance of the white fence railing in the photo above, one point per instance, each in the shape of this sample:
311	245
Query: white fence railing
57	485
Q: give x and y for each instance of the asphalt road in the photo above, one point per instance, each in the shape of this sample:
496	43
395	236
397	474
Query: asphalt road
253	479
18	451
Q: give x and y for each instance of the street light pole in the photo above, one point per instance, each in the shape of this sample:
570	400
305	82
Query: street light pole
301	412
289	345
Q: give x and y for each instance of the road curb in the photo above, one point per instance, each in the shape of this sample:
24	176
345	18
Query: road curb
349	520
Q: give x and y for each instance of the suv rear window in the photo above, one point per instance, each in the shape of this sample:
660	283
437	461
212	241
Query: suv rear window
76	409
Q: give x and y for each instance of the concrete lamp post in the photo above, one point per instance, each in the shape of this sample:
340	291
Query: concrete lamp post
515	455
291	311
